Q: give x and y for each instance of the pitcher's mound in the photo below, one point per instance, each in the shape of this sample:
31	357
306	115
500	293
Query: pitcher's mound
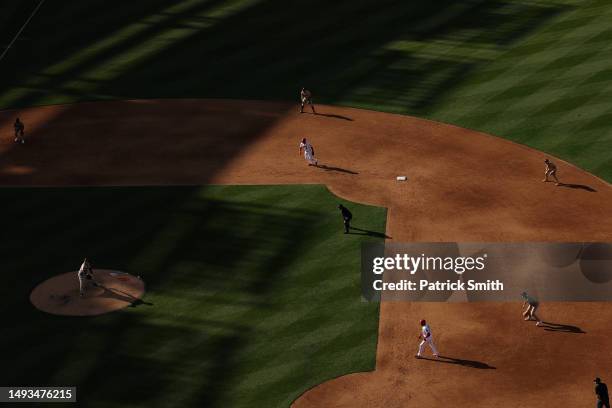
60	295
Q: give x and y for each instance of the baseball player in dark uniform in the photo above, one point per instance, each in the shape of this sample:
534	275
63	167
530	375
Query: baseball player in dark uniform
601	390
347	217
306	98
19	131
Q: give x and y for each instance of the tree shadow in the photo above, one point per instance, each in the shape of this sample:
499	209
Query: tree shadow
338	169
563	328
457	361
369	233
185	230
404	79
578	187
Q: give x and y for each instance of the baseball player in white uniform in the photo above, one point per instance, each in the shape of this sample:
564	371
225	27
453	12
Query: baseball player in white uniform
309	153
426	338
86	277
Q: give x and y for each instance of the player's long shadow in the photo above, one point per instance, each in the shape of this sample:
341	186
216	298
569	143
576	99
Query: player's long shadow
466	363
564	328
123	296
578	187
368	232
341	170
331	115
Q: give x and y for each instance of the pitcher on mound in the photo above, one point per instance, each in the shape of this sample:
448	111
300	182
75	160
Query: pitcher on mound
86	277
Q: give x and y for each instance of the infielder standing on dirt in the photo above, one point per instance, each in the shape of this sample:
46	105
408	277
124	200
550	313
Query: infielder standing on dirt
426	338
86	277
532	305
309	153
306	98
19	131
551	170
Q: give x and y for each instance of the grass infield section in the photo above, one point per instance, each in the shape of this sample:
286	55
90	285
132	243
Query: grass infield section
536	72
254	289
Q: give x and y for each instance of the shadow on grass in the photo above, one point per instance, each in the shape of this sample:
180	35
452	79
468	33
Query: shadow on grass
140	302
212	262
164	235
193	49
368	232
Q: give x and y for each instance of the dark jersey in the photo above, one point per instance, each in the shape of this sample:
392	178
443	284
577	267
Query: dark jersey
531	300
601	390
346	214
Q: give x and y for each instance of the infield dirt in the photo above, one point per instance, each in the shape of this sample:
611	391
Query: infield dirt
462	186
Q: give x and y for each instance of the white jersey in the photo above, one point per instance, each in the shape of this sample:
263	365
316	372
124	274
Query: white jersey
426	332
85	270
427	340
308	152
307	148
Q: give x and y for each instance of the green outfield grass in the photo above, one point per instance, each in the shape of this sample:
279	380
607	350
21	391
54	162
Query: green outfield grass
537	72
254	292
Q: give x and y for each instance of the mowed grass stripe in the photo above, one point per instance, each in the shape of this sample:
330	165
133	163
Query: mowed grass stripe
509	73
530	80
569	95
540	98
339	351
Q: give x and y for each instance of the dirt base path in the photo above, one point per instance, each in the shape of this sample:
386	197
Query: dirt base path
462	186
60	294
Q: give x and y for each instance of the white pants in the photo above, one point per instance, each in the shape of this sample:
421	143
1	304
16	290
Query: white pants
309	156
428	341
86	284
82	285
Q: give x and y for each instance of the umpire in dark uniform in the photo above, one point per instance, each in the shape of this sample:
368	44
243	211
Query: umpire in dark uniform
601	390
347	217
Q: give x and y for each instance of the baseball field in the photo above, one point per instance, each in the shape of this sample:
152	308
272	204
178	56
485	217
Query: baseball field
162	140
